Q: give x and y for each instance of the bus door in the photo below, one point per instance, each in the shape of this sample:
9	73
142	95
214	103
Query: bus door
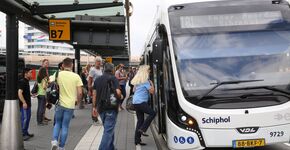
153	77
166	86
158	99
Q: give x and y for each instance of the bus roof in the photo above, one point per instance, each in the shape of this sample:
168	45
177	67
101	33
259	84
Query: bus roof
168	3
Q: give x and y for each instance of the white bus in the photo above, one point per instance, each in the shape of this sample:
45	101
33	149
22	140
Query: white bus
221	71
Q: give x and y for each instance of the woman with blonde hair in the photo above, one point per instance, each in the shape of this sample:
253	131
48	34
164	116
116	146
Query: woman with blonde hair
143	88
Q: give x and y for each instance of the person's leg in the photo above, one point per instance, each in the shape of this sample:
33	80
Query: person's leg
22	119
67	116
41	106
140	121
25	121
39	116
144	107
58	122
123	90
28	116
109	119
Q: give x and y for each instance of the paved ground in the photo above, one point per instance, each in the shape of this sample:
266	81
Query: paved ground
85	136
43	134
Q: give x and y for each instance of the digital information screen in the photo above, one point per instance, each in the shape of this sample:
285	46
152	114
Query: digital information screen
237	19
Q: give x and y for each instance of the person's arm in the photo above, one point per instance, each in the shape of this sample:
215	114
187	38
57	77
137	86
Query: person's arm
21	98
90	83
80	94
79	89
94	110
119	93
44	83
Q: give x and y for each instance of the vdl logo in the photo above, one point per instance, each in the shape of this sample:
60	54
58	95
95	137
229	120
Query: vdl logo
248	130
182	140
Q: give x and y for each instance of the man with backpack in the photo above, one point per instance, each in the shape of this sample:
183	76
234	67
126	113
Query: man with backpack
70	91
106	95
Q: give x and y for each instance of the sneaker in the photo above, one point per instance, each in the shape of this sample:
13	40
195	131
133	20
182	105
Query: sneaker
42	124
30	135
26	137
81	107
97	123
46	119
54	145
61	148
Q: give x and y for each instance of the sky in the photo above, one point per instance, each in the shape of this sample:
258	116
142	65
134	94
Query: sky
3	32
140	23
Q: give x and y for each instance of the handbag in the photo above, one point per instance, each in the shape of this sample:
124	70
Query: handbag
52	91
34	89
129	104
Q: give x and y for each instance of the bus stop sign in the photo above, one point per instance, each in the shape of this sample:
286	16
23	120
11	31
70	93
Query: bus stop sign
59	30
109	60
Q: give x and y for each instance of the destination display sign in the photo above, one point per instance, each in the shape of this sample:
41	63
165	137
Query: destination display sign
59	30
235	19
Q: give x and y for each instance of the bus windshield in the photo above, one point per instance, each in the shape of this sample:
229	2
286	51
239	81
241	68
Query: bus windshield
210	51
205	59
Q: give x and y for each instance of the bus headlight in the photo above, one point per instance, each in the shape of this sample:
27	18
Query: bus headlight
190	122
183	118
186	120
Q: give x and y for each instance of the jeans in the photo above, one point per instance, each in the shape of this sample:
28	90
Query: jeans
40	108
109	119
62	119
141	124
25	119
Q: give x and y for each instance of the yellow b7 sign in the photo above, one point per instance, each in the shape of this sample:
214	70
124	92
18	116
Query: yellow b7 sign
59	30
109	60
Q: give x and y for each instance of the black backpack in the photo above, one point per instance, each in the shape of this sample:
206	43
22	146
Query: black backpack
52	91
108	97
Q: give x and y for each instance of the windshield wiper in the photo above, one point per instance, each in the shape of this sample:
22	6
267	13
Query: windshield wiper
223	83
271	88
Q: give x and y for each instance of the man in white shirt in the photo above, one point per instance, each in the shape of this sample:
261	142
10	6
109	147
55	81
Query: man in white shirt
95	73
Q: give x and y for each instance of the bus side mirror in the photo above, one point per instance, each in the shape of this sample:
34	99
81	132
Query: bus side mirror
158	47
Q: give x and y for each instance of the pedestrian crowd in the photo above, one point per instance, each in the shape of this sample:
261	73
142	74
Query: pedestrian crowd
102	85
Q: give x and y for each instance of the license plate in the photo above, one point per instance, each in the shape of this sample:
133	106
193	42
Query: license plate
248	143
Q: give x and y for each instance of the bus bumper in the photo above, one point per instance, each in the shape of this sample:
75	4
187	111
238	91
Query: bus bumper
229	137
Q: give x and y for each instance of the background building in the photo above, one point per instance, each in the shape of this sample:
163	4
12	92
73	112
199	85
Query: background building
37	42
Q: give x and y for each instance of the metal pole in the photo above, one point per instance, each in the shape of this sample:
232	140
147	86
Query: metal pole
11	134
77	60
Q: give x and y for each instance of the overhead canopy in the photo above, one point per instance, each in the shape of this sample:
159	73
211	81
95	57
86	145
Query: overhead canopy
102	19
45	5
